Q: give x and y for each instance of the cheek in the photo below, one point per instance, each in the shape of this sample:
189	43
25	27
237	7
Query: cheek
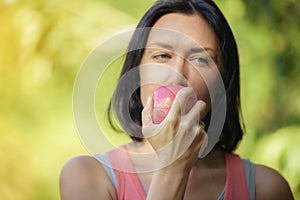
204	87
147	91
145	88
198	83
148	84
202	93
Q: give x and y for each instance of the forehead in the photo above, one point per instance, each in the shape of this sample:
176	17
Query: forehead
180	31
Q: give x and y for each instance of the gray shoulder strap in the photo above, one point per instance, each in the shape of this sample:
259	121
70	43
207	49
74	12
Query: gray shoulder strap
104	160
249	169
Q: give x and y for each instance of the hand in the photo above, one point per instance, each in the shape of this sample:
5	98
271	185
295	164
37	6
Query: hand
180	137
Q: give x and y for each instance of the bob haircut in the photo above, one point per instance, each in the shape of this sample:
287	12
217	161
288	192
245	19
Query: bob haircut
233	128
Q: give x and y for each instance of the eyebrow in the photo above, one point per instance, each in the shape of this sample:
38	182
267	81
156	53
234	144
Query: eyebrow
170	47
200	50
160	44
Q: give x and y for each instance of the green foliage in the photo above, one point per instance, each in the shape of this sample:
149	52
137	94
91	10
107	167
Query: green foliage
268	44
43	44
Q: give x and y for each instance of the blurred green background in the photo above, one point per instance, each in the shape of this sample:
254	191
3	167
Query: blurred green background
43	44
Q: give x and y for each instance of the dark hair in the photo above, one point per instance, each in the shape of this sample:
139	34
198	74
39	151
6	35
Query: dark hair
233	128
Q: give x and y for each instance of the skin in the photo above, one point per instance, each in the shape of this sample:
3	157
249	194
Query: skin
84	178
179	57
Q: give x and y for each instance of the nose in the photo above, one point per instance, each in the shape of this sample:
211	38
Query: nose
180	69
179	65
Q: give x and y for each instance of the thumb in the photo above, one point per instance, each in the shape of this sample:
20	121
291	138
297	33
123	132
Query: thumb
147	112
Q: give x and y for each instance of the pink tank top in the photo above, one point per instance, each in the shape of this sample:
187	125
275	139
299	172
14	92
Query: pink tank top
128	185
130	188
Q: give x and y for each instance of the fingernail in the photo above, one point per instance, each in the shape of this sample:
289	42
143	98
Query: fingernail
148	100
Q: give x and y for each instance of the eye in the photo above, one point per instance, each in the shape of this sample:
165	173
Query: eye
161	57
200	61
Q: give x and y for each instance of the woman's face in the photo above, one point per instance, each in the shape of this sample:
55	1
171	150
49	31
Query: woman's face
182	50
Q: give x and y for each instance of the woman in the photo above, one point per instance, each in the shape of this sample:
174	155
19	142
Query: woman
176	172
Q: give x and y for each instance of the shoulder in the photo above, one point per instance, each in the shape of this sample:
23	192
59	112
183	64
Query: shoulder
270	184
83	177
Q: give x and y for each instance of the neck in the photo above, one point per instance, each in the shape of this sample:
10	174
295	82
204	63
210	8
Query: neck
215	159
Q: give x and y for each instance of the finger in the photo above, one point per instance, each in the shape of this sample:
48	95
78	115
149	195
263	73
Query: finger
147	112
185	97
202	124
148	128
202	105
194	115
174	112
179	103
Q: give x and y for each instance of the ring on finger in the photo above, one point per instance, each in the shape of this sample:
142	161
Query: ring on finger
201	123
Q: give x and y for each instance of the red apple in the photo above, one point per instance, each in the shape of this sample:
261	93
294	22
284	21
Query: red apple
163	98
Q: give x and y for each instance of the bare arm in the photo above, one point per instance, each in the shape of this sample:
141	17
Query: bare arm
270	185
84	178
170	182
177	141
167	184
